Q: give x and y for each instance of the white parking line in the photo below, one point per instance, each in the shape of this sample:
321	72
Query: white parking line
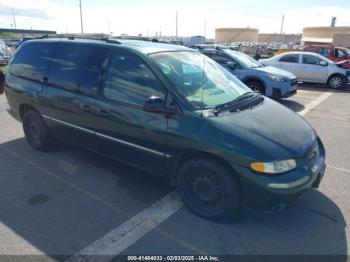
339	169
126	234
314	103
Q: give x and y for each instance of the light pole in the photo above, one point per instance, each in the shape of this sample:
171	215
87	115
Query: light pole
81	18
176	23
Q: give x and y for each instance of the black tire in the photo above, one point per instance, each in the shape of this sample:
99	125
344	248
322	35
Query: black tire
256	86
208	189
336	82
36	131
2	82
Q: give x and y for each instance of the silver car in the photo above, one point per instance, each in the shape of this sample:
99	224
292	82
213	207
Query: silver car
310	67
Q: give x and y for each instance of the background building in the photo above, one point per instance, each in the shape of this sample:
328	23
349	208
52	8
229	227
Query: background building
327	35
279	38
228	35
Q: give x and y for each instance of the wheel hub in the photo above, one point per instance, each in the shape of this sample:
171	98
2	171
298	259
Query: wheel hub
206	189
336	82
34	130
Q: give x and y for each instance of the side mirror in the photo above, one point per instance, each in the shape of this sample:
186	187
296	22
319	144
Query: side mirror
157	105
232	66
323	63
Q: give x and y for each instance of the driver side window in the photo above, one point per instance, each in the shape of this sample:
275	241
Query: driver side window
129	80
311	60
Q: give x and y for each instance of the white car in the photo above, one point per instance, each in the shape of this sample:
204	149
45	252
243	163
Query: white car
5	53
310	67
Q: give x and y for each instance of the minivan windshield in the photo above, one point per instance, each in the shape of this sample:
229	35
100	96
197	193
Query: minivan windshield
203	82
243	59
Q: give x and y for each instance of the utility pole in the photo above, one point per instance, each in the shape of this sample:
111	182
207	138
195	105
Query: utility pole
282	24
81	18
176	23
14	18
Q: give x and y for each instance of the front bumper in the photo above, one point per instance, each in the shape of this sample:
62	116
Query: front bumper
283	89
4	60
259	195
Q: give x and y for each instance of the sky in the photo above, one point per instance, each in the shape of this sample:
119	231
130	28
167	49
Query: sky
150	17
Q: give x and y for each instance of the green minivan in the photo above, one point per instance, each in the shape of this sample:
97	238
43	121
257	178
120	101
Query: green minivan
171	111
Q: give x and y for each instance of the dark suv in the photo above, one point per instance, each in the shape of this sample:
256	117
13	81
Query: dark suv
169	110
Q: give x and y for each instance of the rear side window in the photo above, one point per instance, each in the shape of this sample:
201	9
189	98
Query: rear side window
130	80
290	59
78	68
33	61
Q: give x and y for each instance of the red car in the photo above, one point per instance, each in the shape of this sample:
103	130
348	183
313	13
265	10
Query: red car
339	55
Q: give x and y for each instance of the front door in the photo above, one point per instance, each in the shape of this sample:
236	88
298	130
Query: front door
124	129
312	70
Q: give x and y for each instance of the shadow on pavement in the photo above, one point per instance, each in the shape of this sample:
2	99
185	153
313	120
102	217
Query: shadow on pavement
293	105
314	226
60	212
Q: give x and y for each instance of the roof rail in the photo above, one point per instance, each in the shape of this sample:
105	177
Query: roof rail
141	38
100	37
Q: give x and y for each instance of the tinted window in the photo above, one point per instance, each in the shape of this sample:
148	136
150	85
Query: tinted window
290	59
130	80
325	51
311	60
220	58
78	68
339	53
33	61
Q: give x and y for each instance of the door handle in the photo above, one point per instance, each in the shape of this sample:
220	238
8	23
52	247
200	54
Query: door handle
104	112
86	108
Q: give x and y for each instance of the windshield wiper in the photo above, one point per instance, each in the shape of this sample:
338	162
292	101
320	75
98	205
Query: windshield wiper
242	97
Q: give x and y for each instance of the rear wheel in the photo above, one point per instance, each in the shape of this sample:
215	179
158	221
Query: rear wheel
208	189
256	86
36	131
336	82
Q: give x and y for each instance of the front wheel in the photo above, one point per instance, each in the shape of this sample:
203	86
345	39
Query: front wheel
208	189
256	86
336	82
36	131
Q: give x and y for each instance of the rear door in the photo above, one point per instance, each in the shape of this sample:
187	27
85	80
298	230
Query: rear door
311	70
125	130
75	76
290	63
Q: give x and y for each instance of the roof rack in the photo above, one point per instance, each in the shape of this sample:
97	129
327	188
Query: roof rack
100	37
141	38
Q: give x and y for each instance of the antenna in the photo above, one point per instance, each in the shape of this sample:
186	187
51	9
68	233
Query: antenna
81	18
14	18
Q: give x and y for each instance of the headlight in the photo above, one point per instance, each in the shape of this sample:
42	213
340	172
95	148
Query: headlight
276	78
274	167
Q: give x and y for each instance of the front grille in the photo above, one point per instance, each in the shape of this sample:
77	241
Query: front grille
312	156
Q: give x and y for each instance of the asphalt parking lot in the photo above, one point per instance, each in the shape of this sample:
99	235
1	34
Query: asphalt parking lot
68	200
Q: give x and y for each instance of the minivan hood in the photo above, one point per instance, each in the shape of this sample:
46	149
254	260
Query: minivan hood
276	71
268	132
